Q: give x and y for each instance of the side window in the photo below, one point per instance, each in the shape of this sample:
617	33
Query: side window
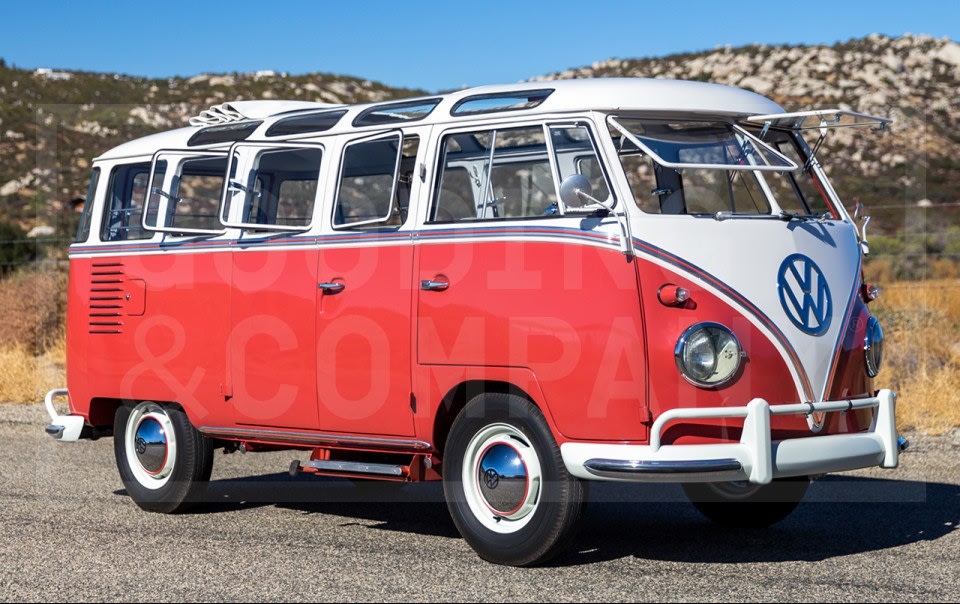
283	187
83	232
124	203
196	194
375	182
576	154
796	186
495	174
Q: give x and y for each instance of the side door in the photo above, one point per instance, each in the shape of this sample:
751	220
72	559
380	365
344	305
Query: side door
364	279
271	200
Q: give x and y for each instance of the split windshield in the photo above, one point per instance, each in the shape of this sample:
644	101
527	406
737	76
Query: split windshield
706	167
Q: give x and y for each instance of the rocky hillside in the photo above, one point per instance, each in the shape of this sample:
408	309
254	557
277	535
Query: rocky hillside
913	79
52	123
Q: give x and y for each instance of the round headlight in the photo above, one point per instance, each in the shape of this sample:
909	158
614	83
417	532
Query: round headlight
873	347
708	354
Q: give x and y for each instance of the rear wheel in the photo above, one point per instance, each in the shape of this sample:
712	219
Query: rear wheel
506	487
164	462
743	504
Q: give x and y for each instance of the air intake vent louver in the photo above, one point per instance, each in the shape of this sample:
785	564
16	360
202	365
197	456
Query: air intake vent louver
108	295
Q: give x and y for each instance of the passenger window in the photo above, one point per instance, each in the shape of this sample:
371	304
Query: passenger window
576	154
375	182
83	231
519	184
197	194
124	203
283	187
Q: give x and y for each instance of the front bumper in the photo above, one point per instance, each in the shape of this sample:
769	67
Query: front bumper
755	458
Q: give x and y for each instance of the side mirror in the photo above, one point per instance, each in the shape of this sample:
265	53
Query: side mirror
577	192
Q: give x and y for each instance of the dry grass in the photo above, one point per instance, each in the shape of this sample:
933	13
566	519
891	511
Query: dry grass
921	322
27	377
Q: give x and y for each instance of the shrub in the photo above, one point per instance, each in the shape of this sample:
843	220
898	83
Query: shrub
15	248
33	304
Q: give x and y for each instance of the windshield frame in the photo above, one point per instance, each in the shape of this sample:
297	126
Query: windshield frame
633	138
835	210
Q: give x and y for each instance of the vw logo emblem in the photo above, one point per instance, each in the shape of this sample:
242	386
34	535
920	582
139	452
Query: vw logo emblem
491	478
804	294
140	445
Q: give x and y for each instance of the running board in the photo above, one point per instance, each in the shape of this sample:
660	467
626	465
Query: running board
355	467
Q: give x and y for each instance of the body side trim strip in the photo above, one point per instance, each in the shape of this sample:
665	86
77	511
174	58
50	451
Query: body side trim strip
317	439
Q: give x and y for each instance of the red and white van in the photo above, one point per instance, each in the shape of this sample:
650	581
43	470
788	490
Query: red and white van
513	289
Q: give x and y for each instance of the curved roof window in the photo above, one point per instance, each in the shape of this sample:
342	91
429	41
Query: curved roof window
396	113
500	101
306	123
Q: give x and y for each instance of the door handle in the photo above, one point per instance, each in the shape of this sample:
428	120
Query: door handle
333	287
434	285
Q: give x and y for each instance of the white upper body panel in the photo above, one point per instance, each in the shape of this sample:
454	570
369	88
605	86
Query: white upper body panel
606	94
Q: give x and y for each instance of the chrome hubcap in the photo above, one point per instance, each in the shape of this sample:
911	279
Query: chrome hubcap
150	444
503	478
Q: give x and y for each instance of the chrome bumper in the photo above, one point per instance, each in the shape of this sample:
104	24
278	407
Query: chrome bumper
755	458
65	428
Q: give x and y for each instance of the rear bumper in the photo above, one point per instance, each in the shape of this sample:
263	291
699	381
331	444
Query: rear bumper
755	458
65	428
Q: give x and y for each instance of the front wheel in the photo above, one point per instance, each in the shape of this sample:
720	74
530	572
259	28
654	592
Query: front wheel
164	462
506	487
742	504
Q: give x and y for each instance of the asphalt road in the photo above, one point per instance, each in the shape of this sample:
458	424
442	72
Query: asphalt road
69	532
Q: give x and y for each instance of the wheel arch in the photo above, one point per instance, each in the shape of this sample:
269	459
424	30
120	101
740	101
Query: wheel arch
461	394
103	409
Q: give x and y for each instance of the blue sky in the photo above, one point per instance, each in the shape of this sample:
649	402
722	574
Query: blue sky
431	45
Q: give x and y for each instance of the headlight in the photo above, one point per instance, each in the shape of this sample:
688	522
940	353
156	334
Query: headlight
708	354
873	347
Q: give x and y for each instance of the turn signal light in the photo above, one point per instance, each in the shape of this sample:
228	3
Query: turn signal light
673	295
870	292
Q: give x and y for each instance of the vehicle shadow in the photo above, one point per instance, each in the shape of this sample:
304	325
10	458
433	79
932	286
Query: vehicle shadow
415	508
841	515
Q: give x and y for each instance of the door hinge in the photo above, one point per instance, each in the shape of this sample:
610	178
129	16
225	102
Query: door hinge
413	402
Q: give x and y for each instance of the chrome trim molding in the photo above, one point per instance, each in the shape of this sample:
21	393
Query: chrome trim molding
317	439
636	469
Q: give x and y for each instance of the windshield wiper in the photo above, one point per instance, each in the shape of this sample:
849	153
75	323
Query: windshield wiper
724	215
788	216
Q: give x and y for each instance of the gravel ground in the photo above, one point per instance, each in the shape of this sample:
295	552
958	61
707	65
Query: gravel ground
69	532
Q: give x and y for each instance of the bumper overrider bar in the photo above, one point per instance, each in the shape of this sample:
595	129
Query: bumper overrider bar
755	458
65	428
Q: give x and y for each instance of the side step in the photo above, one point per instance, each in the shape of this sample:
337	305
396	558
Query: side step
353	469
356	467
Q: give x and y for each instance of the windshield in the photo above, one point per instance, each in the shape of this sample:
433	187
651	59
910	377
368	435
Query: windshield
711	167
700	144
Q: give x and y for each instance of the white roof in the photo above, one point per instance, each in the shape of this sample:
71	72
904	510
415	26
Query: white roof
607	94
